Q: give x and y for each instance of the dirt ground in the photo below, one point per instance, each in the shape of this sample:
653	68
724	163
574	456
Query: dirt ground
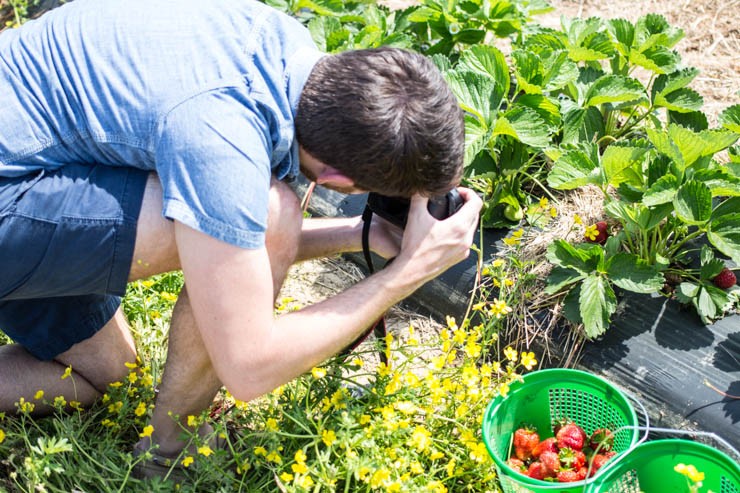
711	43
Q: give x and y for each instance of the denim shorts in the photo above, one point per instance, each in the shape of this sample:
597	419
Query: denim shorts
66	240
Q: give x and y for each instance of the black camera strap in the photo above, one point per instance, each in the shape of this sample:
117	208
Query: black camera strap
379	328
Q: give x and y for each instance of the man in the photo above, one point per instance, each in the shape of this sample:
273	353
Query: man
132	145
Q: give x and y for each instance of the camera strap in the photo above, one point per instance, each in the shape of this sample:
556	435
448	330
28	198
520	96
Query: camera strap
379	328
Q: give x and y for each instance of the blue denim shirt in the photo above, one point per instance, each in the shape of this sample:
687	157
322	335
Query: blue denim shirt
203	92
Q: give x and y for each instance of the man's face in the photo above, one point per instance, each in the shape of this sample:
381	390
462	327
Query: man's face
325	175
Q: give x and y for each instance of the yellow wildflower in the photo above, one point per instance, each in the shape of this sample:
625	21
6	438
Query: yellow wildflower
577	219
318	372
187	461
328	437
286	477
591	232
140	409
205	450
510	353
528	360
67	372
147	431
379	477
421	438
2	436
259	450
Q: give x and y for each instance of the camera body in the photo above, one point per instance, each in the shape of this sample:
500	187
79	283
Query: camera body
396	209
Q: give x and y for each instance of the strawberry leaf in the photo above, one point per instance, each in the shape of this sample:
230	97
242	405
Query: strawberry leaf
724	234
730	118
597	303
693	202
662	191
574	169
614	89
617	158
582	125
629	272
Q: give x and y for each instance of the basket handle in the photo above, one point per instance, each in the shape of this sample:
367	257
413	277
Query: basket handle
707	434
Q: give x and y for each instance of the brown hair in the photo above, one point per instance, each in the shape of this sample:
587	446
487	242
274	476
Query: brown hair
386	118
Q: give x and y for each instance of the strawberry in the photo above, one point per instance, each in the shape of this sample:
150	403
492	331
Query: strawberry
582	473
571	436
548	444
525	440
601	234
602	440
597	462
517	465
550	464
567	476
535	470
572	459
725	279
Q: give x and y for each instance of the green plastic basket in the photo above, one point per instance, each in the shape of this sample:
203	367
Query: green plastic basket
649	468
545	397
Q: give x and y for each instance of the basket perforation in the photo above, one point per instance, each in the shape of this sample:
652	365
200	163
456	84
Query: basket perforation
727	486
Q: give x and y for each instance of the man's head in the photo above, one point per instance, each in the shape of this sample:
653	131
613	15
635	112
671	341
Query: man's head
386	119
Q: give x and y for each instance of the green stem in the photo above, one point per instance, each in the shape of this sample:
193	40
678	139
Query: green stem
672	251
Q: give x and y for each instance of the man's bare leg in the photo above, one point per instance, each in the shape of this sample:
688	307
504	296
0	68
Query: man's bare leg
189	382
95	362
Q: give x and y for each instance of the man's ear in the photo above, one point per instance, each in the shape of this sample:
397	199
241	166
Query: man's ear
334	178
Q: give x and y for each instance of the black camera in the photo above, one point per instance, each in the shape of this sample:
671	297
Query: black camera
396	209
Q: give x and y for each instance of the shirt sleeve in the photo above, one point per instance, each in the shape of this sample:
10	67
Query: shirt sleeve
213	160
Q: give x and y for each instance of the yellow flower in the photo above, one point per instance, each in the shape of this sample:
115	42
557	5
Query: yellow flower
503	389
259	450
499	308
168	296
515	238
318	372
39	395
271	424
591	232
306	482
384	369
130	365
451	323
435	454
553	212
328	437
25	407
274	456
543	202
497	263
192	421
299	468
147	431
286	477
690	472
364	419
205	450
528	360
394	487
60	401
187	461
2	436
67	372
510	353
300	456
132	377
421	438
379	477
577	219
75	405
140	409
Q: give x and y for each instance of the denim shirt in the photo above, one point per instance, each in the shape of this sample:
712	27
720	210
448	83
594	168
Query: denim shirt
203	92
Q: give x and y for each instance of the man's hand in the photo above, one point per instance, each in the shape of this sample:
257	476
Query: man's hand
430	246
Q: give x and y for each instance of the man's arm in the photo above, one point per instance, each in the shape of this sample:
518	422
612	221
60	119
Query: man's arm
322	237
231	295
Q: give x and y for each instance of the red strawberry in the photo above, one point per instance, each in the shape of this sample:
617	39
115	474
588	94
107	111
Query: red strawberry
571	436
525	440
601	234
572	459
548	444
725	279
550	464
582	473
517	465
535	470
602	440
597	462
568	476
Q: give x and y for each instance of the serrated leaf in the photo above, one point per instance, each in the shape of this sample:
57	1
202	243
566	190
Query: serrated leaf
571	305
476	138
616	159
722	299
720	181
629	272
545	107
597	302
654	30
560	277
574	169
476	93
424	14
624	32
583	54
546	39
613	89
693	202
665	145
488	60
324	32
694	120
582	125
730	118
667	83
705	305
687	291
657	59
716	141
583	259
559	70
663	191
683	100
711	268
724	234
528	70
525	125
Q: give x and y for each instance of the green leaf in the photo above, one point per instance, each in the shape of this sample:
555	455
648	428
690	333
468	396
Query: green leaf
657	59
529	71
724	234
574	169
705	305
730	118
476	93
488	61
624	32
424	14
710	269
560	277
665	145
545	107
663	191
720	181
681	100
571	305
525	125
716	141
582	259
654	30
476	138
597	303
693	202
559	71
694	120
614	89
616	159
582	125
631	273
667	83
687	291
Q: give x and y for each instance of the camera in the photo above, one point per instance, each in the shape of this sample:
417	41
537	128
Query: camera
396	209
